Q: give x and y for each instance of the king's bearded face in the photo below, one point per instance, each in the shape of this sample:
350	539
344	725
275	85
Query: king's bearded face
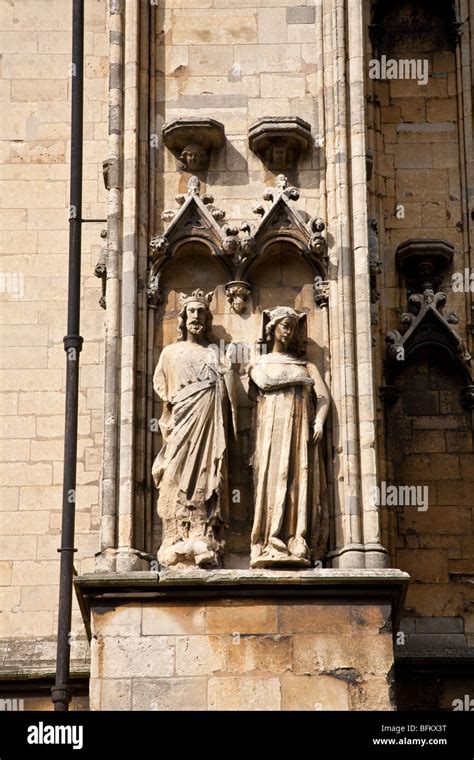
196	316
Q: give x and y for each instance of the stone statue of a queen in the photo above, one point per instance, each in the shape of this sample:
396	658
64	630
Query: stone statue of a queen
291	406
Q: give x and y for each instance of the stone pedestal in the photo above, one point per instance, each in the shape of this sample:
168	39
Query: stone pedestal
242	640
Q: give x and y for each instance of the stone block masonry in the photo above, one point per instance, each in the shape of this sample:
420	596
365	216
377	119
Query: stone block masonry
35	39
241	655
262	651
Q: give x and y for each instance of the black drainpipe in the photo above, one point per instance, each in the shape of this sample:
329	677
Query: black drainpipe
61	691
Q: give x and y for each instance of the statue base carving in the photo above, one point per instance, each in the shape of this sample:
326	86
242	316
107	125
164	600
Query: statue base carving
276	554
200	549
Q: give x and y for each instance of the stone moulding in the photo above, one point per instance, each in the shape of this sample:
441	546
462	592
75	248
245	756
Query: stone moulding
150	625
107	588
192	140
375	269
105	172
238	248
279	141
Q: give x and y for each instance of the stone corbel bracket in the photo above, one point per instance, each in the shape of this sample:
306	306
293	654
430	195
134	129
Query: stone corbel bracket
192	141
237	293
100	269
278	141
422	264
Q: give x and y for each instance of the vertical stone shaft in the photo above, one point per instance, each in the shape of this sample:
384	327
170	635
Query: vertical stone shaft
114	249
129	280
375	555
464	76
349	549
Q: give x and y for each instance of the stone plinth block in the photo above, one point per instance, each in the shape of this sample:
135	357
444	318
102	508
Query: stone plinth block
242	640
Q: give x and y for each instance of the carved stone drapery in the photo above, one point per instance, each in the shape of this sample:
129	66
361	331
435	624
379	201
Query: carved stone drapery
199	223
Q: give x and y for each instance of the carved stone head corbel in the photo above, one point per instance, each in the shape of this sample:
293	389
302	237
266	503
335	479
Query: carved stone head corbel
192	141
279	141
237	293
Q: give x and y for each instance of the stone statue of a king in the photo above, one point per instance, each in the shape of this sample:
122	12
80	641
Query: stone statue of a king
195	384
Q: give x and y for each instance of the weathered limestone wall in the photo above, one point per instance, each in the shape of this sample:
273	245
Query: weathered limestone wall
35	40
236	61
241	655
422	139
434	450
420	163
